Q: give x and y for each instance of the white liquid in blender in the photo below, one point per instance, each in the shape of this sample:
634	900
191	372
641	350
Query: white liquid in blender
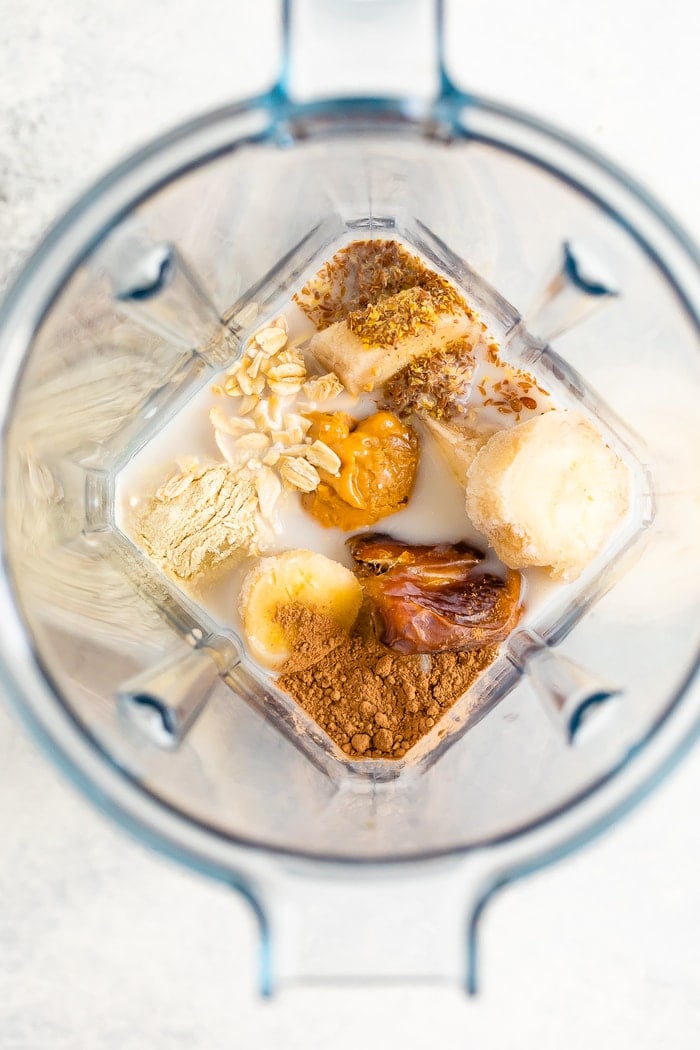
419	643
435	513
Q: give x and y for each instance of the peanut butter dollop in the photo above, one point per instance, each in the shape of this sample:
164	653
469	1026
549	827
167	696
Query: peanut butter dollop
379	458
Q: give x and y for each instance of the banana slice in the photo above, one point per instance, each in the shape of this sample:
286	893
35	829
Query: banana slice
295	577
458	445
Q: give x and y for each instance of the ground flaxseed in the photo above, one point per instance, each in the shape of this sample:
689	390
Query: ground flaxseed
399	317
366	272
438	383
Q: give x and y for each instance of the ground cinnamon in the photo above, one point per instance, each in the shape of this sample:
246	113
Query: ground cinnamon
372	702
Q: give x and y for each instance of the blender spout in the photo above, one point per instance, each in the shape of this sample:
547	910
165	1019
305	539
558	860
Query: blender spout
165	701
348	924
579	701
154	285
338	34
581	285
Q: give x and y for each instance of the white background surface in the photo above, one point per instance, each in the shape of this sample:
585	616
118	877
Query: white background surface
103	945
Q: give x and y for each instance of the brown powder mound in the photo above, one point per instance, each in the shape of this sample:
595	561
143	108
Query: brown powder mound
314	634
373	703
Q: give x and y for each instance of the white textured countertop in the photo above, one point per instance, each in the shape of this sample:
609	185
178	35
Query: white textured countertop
104	945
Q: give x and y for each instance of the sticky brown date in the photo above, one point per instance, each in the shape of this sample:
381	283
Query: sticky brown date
435	599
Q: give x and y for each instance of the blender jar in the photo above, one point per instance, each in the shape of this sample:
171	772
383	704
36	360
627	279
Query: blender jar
136	299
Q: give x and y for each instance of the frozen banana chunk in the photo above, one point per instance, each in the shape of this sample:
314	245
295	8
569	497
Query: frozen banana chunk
458	445
374	343
548	492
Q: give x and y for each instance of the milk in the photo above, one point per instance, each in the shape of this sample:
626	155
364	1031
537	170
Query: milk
435	514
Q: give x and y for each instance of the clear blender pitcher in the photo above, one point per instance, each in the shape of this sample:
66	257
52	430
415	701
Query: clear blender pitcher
137	298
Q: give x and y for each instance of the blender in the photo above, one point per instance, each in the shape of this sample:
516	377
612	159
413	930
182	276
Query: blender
137	298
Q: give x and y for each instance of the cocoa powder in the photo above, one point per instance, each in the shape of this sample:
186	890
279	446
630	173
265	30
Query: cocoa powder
313	636
372	702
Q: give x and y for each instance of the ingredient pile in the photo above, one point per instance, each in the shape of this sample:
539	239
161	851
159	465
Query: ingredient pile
333	435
